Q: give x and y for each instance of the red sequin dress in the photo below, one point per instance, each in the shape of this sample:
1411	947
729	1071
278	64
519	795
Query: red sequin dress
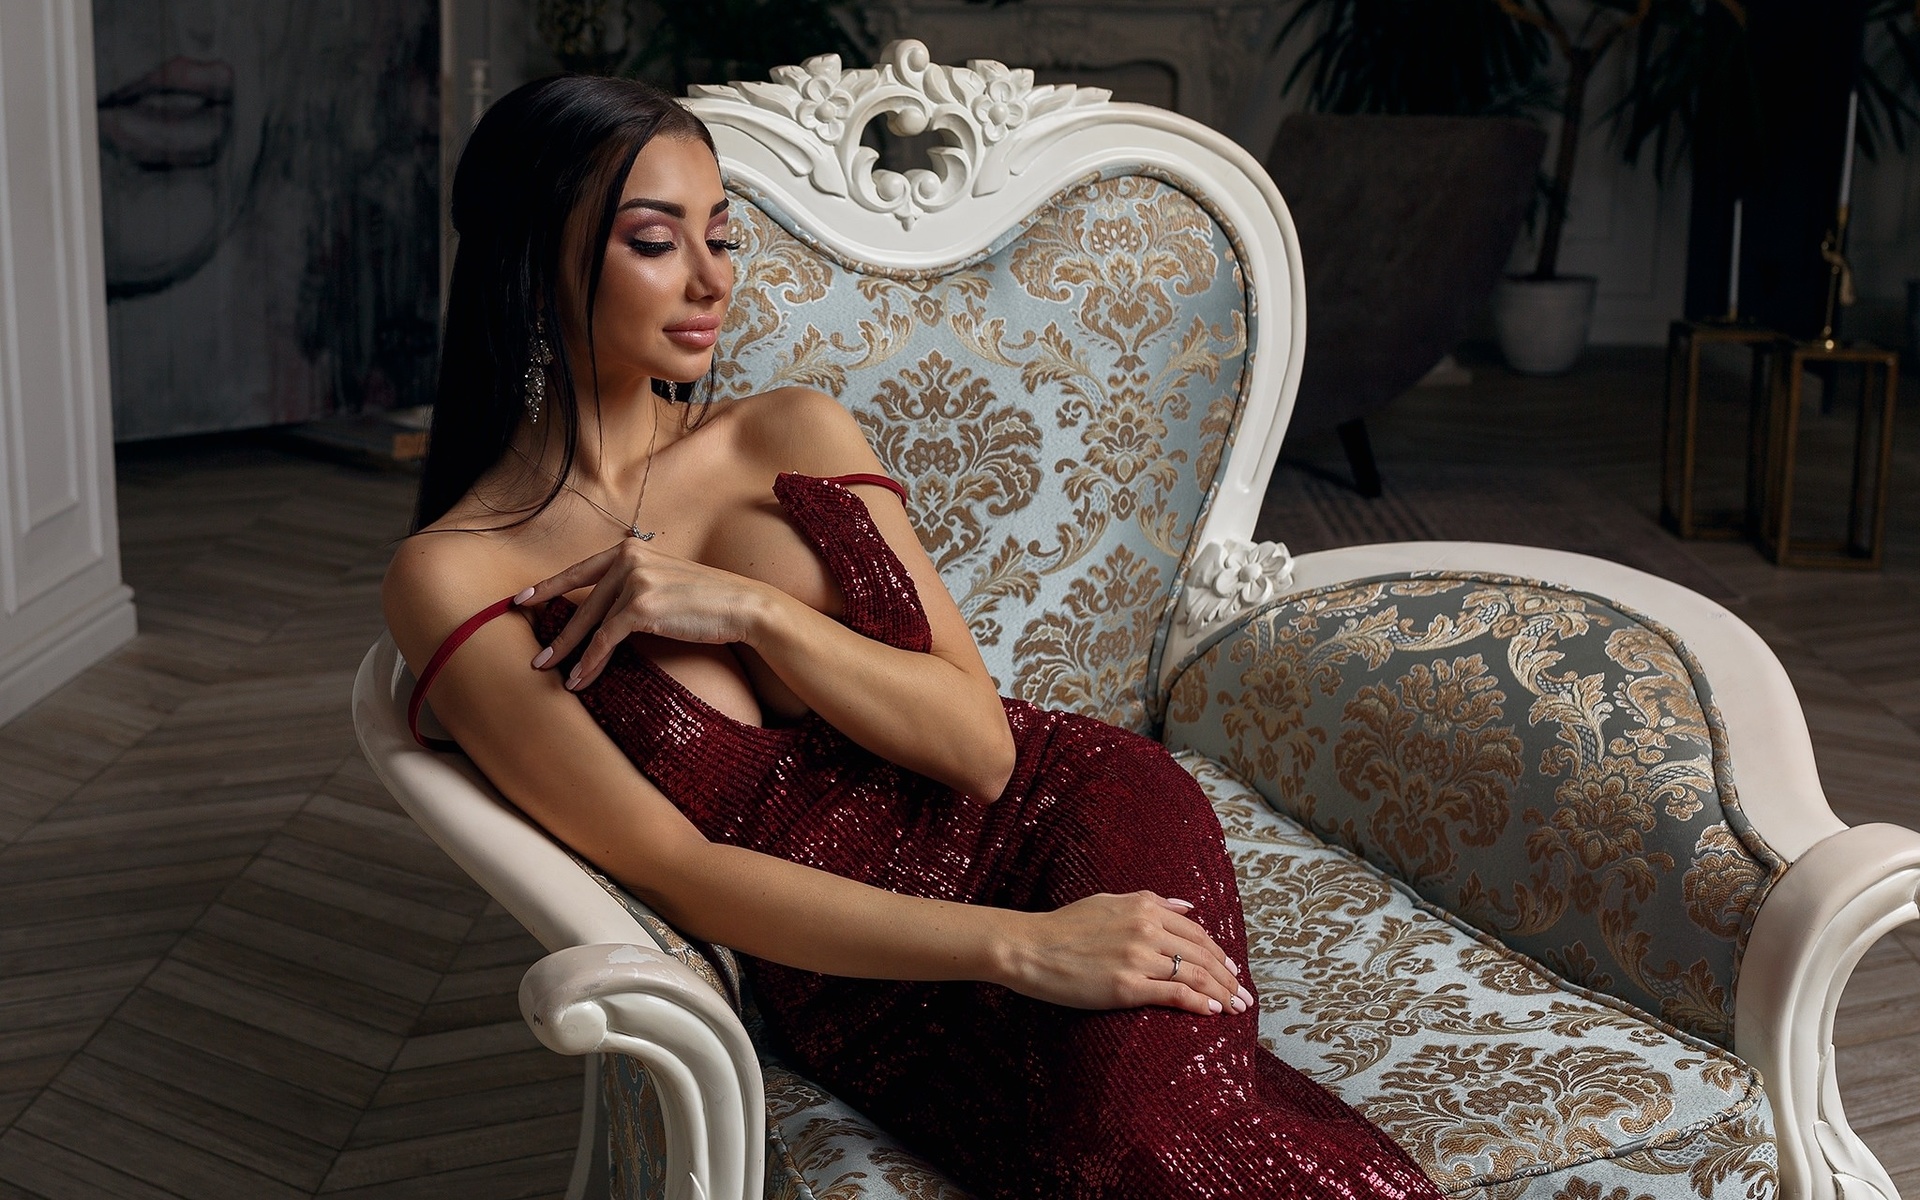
1012	1096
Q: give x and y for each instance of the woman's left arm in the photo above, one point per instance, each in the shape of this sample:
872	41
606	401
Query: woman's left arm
936	713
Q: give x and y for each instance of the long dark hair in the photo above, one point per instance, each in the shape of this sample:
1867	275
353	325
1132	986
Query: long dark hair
535	158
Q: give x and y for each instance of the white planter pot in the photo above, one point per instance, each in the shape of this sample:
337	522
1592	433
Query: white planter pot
1542	323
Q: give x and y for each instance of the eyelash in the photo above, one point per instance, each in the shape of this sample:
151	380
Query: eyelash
657	248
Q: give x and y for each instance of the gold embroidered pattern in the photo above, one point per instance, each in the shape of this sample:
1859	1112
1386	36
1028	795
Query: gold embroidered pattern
1533	759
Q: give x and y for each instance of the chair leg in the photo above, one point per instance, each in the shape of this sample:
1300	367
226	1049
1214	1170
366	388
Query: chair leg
1366	473
590	1179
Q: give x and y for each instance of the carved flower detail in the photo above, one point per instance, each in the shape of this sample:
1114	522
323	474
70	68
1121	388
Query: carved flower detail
823	107
1231	575
1000	106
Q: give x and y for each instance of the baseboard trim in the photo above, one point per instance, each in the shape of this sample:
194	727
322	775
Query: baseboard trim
88	635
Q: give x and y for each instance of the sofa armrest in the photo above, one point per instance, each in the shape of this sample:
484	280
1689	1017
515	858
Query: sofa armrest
636	1000
1765	729
520	866
1514	734
1834	902
619	979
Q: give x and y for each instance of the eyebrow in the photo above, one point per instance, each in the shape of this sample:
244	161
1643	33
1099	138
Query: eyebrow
670	208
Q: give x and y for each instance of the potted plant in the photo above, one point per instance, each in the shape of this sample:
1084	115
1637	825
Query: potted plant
1542	318
1463	57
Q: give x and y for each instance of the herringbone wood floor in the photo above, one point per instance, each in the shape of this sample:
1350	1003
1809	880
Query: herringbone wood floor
230	968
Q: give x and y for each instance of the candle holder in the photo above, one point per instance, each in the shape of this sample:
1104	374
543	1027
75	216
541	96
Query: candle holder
1833	247
1872	453
1680	445
1840	293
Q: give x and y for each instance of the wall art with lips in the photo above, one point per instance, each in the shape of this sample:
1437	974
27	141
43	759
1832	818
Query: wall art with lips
269	181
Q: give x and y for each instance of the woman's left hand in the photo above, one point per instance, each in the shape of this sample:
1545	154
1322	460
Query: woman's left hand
637	589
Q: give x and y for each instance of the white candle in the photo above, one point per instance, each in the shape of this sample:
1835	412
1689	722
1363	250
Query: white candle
1733	273
1846	164
479	93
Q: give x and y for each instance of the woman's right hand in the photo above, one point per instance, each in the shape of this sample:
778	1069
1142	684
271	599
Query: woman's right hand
639	589
1108	951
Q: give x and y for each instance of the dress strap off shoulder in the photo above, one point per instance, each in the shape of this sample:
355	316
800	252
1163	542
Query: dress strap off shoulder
455	640
892	485
472	624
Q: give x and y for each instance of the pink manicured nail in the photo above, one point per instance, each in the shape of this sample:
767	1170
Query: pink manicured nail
543	658
1239	1005
1245	998
1213	1006
523	597
1183	905
1230	967
573	680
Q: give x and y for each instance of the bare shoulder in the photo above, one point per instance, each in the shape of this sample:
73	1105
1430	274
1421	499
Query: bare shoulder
436	580
803	429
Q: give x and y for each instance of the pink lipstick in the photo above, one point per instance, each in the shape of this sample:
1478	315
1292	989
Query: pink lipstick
696	333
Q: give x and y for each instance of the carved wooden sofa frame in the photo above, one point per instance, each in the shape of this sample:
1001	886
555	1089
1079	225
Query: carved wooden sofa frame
1264	672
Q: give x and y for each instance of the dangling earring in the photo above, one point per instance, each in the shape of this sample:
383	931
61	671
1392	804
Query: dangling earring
539	357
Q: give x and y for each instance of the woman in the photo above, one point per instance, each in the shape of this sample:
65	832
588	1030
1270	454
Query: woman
737	684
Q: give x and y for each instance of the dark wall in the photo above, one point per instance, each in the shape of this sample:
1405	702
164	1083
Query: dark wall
1806	59
269	180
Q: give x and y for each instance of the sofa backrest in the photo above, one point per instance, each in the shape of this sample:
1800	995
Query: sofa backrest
1057	410
1544	764
1058	374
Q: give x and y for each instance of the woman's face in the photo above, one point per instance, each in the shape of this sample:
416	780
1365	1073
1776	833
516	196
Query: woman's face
666	274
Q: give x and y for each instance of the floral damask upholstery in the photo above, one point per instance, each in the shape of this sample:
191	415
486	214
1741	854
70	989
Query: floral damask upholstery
1057	408
1538	762
1502	1081
818	1148
1543	770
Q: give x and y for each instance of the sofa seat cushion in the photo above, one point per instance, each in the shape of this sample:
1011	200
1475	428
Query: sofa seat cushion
821	1148
1501	1079
818	1146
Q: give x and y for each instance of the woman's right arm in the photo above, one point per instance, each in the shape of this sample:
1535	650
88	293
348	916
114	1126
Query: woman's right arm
540	747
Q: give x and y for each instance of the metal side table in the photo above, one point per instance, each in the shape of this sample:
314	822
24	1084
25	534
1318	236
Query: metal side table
1782	484
1680	446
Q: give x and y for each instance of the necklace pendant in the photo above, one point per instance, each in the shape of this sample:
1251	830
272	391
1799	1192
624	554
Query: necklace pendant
634	531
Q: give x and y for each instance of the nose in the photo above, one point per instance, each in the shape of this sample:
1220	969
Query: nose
711	278
194	28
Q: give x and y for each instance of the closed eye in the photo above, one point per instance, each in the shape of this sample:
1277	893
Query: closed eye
719	245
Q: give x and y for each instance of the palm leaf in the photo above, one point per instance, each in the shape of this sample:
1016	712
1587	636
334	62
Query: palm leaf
1436	57
1888	78
1693	79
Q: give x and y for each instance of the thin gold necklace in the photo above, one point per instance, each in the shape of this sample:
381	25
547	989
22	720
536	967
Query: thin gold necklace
633	526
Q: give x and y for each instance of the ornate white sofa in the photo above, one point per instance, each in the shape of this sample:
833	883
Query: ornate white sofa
1537	868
